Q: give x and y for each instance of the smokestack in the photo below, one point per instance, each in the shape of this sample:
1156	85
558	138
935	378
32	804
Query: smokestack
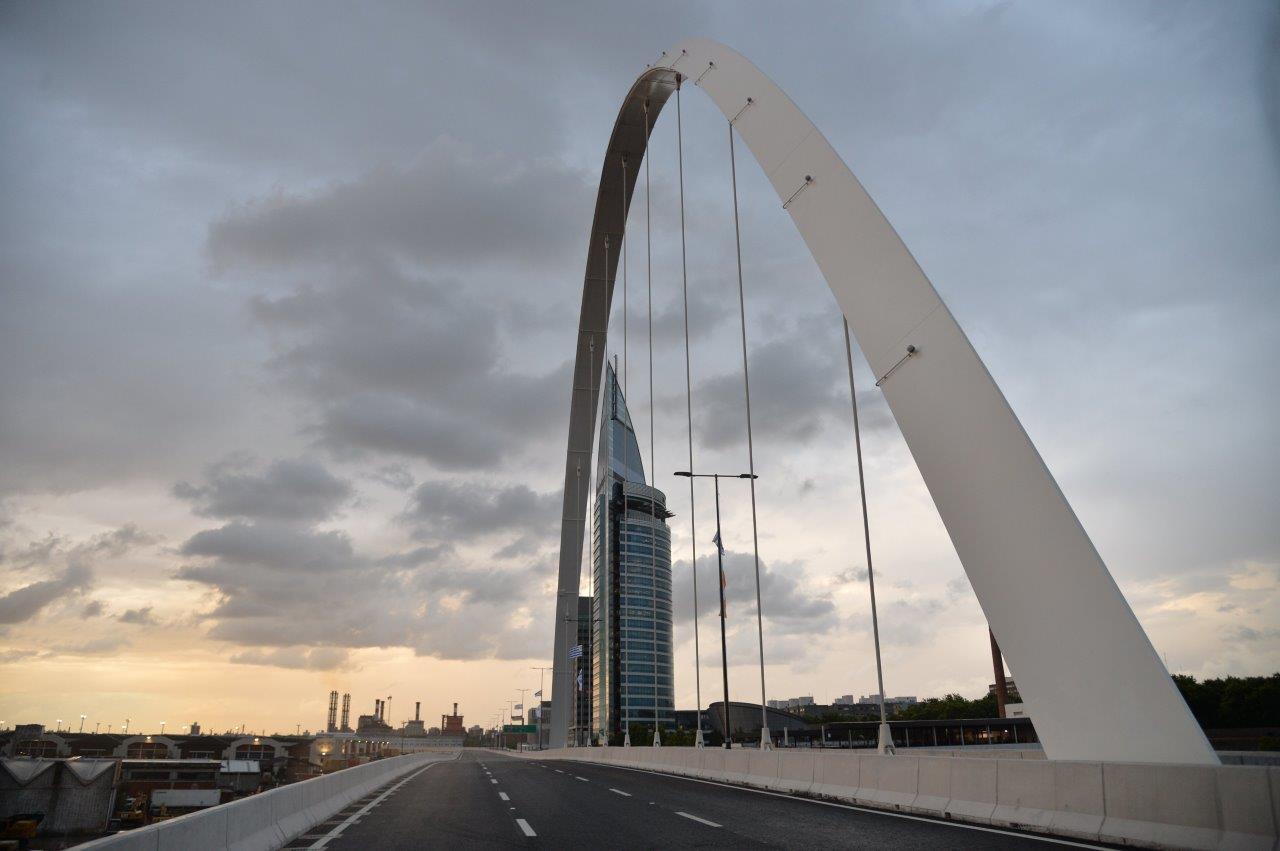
346	711
455	709
332	721
417	710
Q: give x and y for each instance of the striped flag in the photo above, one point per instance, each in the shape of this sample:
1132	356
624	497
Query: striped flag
717	542
575	652
538	693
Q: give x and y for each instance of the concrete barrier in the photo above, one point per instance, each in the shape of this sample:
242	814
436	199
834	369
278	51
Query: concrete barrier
933	785
737	765
269	820
1249	806
836	775
1024	794
888	781
973	789
796	771
762	769
1161	805
1145	805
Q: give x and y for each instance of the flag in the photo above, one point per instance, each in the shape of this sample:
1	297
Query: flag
575	652
579	681
717	542
538	693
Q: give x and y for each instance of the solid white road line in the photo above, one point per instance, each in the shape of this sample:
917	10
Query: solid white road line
504	796
620	792
524	825
354	817
871	810
700	820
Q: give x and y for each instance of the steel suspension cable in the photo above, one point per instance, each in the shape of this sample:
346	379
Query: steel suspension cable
688	402
866	536
765	740
653	458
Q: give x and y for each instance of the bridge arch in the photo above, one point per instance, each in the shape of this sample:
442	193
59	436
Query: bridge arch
1089	675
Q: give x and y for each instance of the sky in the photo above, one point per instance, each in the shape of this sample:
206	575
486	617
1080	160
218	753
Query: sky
288	296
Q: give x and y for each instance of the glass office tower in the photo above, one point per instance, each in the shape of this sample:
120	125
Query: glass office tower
631	564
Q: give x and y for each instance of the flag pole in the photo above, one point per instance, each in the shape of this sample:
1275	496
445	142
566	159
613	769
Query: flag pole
724	646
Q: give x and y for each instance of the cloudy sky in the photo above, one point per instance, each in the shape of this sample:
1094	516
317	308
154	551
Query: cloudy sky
288	294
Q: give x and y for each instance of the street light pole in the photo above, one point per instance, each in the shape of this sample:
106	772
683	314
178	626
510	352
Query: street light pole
542	684
724	651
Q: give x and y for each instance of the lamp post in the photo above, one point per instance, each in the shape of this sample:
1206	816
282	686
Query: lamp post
542	683
724	651
82	717
162	728
126	726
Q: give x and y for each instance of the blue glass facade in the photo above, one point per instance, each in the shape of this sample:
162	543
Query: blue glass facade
631	560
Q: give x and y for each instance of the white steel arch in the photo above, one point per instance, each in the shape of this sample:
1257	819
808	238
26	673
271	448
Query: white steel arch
1091	680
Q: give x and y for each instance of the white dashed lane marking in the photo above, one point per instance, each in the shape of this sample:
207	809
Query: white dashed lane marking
620	792
699	820
524	826
504	796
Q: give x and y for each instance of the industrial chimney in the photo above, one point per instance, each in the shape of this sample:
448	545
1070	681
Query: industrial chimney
332	723
417	710
455	708
377	708
346	711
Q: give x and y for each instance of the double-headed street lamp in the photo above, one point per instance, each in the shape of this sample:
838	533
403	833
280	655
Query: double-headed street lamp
724	651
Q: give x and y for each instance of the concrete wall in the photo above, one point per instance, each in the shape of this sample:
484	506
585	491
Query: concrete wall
269	820
1143	804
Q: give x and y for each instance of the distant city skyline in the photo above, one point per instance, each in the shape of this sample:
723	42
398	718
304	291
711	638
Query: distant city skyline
287	305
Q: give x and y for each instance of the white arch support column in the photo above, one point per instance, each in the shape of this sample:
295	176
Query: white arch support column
1091	680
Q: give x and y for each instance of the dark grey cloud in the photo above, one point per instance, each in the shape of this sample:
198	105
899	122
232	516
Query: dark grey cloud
93	609
290	489
792	605
452	510
799	387
270	581
403	366
24	603
450	207
270	546
139	617
393	476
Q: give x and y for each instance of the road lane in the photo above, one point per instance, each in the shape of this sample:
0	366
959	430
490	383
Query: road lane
522	802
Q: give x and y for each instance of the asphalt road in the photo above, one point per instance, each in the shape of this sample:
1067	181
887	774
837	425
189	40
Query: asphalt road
488	800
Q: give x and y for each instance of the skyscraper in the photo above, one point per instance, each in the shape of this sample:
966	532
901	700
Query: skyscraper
631	572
